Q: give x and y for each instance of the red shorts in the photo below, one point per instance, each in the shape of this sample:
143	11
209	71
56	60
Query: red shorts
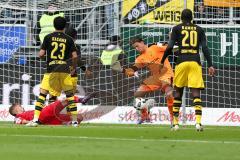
51	114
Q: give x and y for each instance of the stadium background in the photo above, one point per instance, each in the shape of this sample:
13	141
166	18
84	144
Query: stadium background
21	70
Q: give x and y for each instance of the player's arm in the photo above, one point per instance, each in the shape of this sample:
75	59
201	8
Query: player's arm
84	67
206	53
24	121
80	63
42	51
74	59
20	120
73	50
170	46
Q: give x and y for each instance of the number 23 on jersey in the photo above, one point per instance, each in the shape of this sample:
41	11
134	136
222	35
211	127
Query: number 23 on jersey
58	51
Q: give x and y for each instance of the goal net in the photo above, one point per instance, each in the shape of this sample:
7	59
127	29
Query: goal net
96	21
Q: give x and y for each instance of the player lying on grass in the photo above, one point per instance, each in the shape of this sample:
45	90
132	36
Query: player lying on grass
50	114
150	58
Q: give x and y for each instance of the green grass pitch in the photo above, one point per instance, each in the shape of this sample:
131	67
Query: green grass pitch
118	142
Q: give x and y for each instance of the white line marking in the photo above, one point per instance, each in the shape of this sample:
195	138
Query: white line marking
125	139
129	126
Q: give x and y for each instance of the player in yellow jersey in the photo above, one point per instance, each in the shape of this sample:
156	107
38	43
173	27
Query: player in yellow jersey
58	48
188	71
74	76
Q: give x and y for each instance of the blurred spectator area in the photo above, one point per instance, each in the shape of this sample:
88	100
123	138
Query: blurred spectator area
12	16
215	15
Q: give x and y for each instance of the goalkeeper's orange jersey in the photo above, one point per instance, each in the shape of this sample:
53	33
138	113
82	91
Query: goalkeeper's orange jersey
151	59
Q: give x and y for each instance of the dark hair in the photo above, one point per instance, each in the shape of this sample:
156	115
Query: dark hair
115	39
59	23
72	32
136	39
11	109
187	15
52	3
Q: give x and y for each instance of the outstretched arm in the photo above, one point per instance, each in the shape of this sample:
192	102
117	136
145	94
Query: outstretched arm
20	121
206	53
172	41
41	53
168	51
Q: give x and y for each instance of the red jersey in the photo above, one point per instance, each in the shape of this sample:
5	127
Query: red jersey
50	115
27	115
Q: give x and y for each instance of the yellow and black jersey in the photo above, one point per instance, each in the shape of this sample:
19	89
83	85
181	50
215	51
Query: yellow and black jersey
59	48
189	38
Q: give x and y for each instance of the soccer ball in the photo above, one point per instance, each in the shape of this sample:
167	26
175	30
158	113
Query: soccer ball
139	103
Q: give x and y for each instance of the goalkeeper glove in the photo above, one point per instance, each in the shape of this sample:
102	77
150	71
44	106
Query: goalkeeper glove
129	72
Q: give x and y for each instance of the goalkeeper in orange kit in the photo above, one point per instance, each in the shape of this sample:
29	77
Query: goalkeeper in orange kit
150	58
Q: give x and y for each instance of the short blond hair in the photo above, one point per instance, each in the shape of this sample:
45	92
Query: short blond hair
11	109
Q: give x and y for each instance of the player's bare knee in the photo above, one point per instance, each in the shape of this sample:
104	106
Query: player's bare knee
169	95
168	90
195	92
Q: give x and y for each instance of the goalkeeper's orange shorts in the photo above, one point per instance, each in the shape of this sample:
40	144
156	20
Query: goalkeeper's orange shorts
154	83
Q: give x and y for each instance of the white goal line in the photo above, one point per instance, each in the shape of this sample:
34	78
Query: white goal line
125	139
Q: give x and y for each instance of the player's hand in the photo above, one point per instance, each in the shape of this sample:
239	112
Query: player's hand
129	72
88	73
211	71
73	71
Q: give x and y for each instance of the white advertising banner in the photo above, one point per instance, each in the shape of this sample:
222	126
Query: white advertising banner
159	115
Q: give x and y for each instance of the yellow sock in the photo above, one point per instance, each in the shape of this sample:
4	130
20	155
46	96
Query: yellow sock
72	108
36	115
198	114
176	107
197	102
39	106
175	115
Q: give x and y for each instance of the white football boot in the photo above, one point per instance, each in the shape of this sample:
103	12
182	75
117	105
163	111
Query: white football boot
75	123
175	127
32	124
